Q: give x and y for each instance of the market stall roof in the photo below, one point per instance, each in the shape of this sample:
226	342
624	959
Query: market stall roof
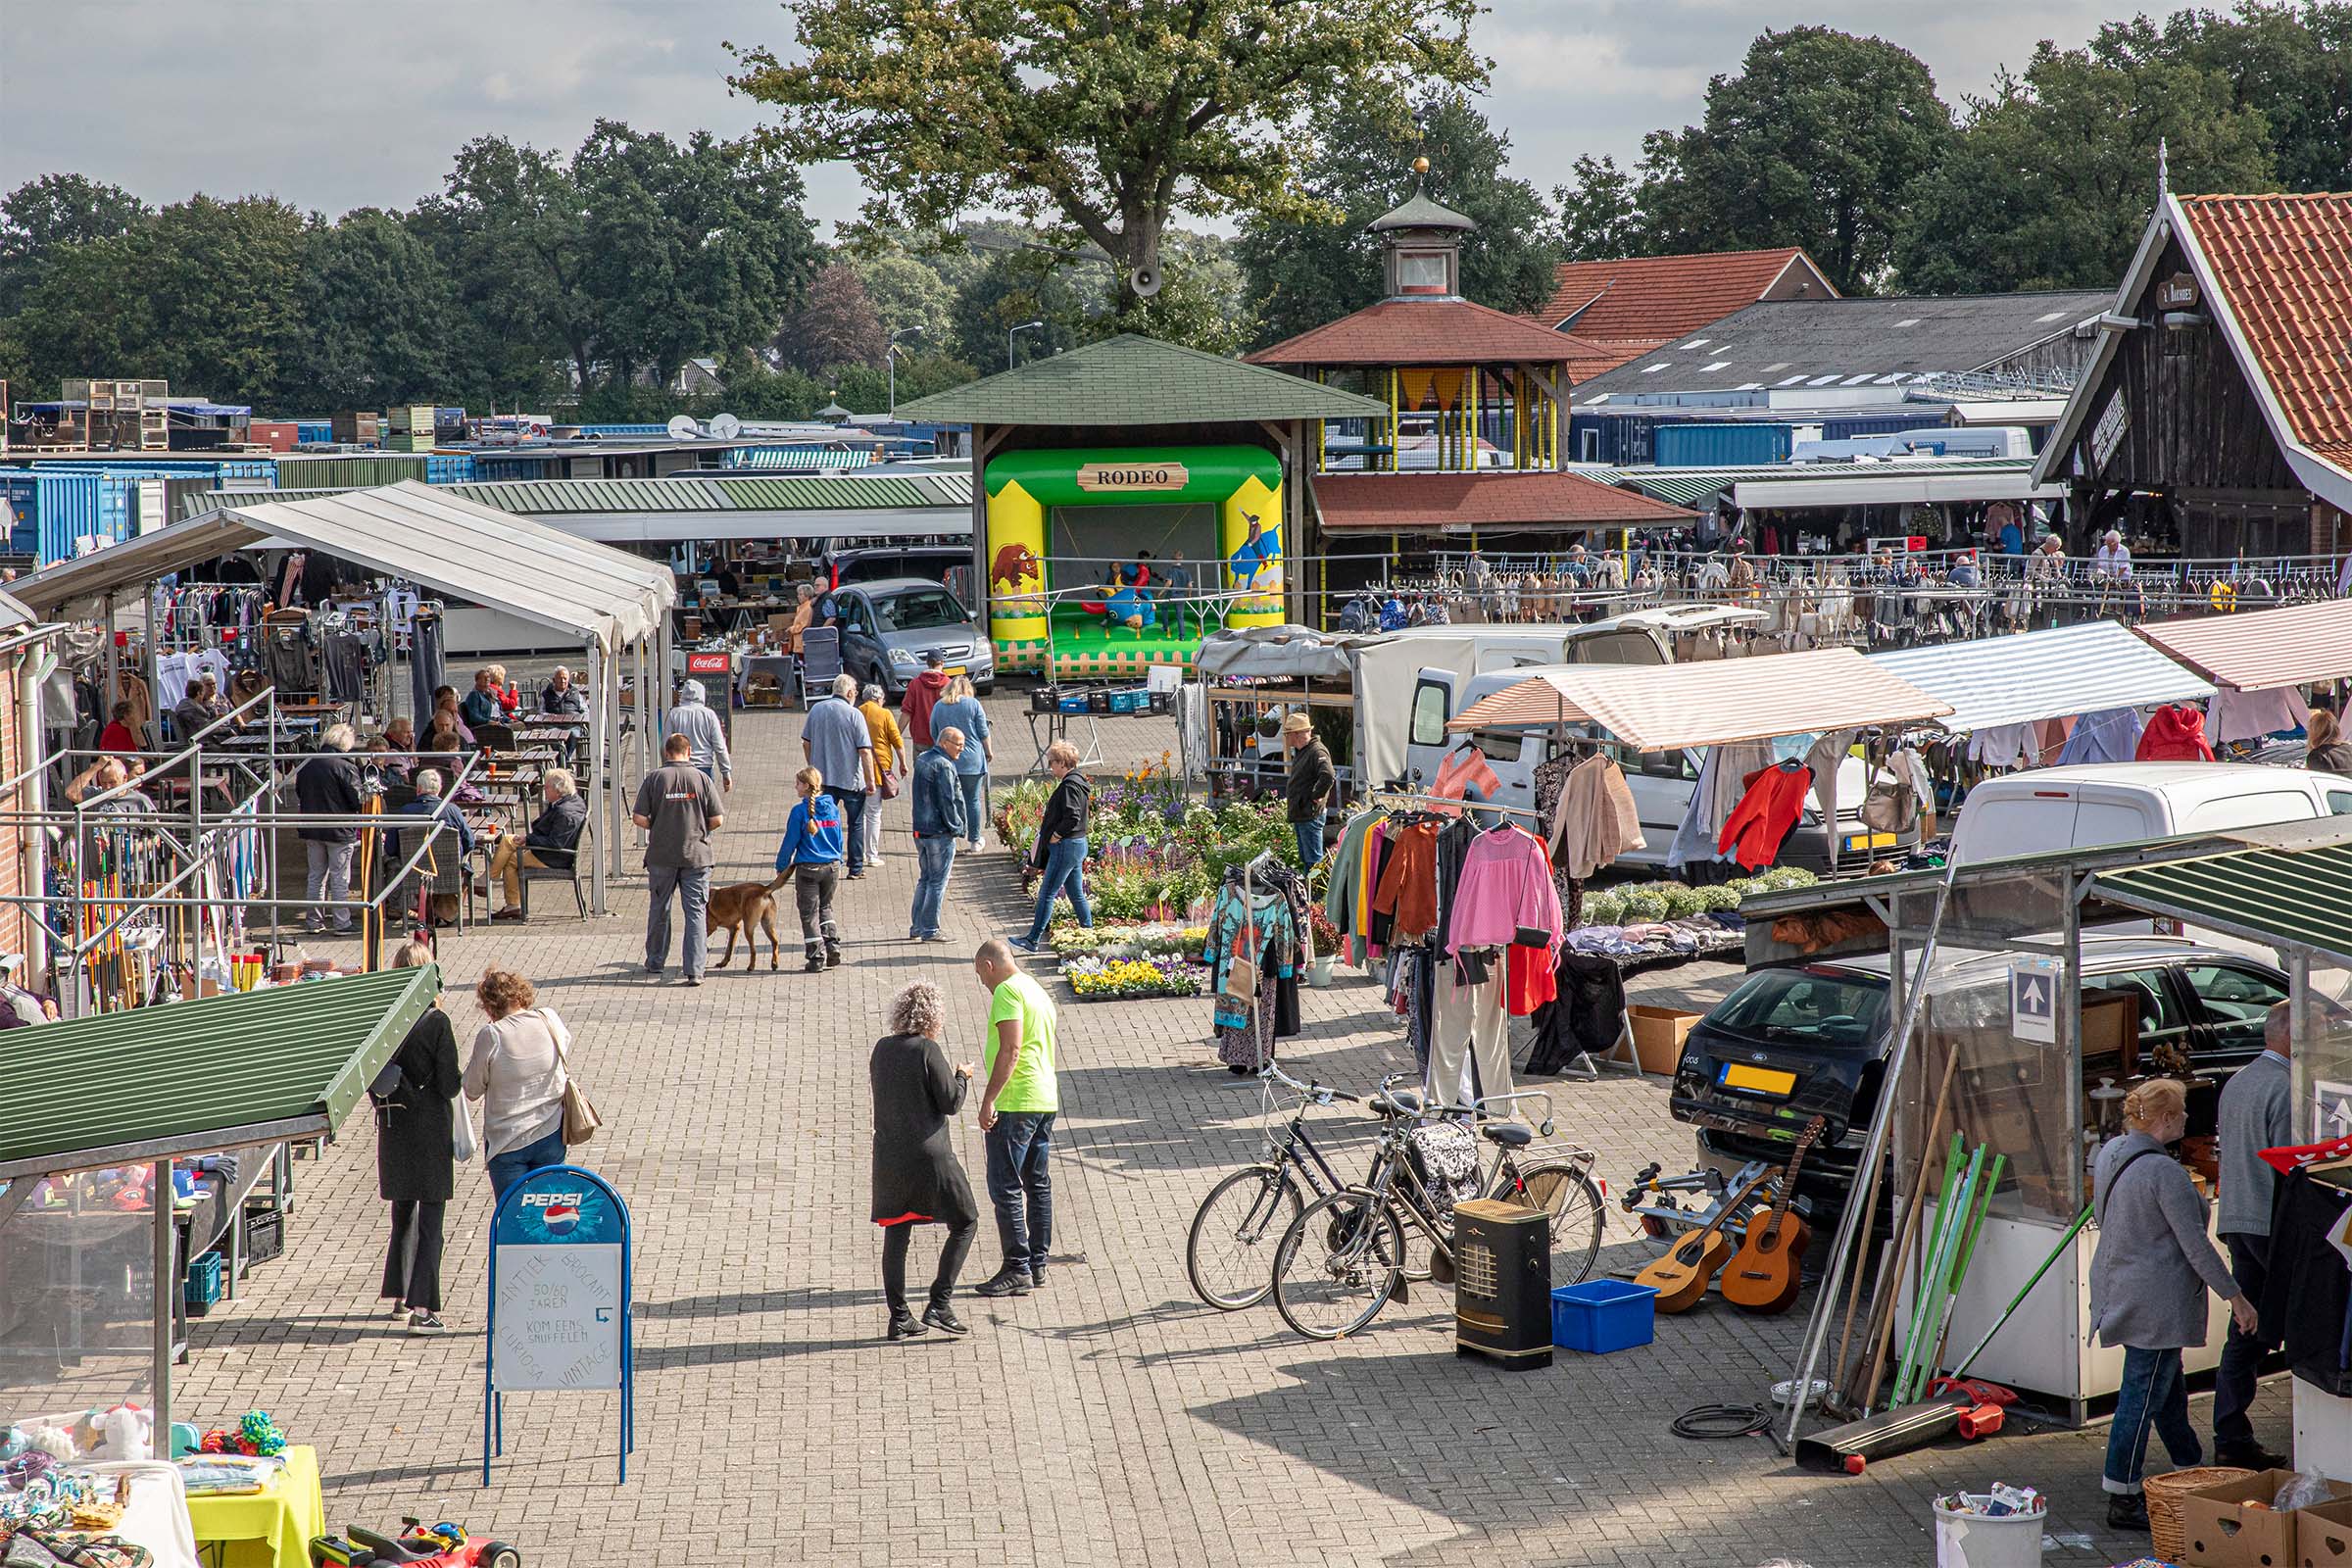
192	1077
418	532
1273	652
2263	648
1882	484
1657	707
1990	681
2300	895
1433	333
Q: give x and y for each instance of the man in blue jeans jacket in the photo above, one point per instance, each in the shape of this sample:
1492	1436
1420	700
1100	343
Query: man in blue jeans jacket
938	811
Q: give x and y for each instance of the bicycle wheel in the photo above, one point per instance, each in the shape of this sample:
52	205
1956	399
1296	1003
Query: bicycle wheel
1568	1196
1338	1264
1234	1235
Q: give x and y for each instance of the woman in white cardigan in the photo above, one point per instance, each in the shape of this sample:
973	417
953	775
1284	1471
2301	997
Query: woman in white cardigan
516	1071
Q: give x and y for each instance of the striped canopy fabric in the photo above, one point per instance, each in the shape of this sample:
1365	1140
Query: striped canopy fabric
2263	648
2057	673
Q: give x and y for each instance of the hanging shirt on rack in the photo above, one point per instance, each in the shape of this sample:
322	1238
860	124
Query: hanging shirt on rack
1408	884
1506	888
2110	735
1712	803
2247	715
171	676
1753	833
1465	768
1595	820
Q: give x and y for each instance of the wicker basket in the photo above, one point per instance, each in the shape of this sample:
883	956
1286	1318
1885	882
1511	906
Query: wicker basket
2163	1495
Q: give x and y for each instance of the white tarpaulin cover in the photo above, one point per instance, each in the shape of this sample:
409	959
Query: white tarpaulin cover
418	532
2057	673
1657	707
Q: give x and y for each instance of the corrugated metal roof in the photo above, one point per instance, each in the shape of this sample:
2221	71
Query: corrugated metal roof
2043	675
1659	708
191	1077
2270	894
572	498
2263	648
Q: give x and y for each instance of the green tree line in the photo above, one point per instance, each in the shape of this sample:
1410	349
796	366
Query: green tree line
1840	144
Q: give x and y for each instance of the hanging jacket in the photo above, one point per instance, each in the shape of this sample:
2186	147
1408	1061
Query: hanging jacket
1752	834
2175	734
1408	884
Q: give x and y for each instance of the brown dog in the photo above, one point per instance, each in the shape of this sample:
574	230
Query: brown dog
737	907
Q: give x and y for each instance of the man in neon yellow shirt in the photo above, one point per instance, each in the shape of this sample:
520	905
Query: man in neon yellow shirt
1016	1112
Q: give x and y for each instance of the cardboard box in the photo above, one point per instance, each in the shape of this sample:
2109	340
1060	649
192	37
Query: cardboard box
2323	1535
1659	1035
2219	1530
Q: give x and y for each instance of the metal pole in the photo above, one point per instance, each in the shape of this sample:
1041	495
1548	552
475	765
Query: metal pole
167	1292
600	727
1881	1127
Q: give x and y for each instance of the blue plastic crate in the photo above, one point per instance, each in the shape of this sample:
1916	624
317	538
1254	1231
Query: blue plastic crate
1137	701
1603	1316
203	1287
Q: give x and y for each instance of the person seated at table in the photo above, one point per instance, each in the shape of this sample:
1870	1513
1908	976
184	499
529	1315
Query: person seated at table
559	697
117	735
444	700
553	841
1131	607
429	802
400	741
195	711
486	703
444	746
1963	570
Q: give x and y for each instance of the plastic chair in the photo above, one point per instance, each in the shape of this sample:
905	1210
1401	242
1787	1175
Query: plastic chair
577	875
820	662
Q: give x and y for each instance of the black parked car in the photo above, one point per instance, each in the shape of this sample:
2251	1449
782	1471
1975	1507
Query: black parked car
1811	1039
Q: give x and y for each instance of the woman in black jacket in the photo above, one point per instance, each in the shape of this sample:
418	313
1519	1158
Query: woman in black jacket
1060	848
916	1179
415	1157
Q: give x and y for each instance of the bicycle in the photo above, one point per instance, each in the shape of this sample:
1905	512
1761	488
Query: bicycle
1343	1256
1259	1201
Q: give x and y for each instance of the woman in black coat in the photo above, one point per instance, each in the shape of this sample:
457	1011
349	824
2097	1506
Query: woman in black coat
916	1179
415	1157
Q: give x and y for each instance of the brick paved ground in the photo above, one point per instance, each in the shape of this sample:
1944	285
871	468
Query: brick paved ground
1110	1418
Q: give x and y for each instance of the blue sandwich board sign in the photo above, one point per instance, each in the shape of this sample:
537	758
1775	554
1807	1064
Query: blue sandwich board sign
559	1284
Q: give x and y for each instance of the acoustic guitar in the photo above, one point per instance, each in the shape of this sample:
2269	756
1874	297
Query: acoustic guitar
1681	1277
1762	1276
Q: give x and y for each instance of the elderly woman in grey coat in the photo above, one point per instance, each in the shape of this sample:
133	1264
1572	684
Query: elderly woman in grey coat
2148	1281
917	1180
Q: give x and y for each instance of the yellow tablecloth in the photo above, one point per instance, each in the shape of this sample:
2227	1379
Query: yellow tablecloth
268	1528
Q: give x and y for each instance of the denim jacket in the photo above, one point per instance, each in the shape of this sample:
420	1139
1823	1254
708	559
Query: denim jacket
938	801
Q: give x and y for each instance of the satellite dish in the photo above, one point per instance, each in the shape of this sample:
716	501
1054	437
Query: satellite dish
726	428
1145	280
683	428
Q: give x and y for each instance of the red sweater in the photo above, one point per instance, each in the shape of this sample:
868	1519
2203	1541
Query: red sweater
2175	734
1754	832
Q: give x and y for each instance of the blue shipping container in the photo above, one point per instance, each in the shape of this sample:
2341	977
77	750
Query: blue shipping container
50	514
449	468
313	432
1721	446
1853	427
263	469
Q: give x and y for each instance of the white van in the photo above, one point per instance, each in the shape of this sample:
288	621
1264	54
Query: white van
1662	782
2093	803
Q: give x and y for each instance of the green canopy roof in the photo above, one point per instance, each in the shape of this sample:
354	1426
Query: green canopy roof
2302	897
189	1077
1133	380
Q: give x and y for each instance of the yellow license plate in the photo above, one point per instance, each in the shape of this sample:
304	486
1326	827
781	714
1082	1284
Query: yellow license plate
1759	1079
957	670
1870	841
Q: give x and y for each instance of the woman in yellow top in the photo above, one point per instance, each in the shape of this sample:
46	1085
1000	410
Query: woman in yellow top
891	759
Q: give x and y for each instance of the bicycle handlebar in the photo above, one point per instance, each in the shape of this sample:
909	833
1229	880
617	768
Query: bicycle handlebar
1321	1094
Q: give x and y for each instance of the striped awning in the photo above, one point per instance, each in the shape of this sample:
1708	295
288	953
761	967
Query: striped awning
2263	648
1657	707
2057	673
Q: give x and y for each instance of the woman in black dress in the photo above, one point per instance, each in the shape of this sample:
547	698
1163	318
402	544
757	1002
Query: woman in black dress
415	1157
916	1179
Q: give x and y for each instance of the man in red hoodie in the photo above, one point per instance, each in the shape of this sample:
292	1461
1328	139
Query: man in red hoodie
923	694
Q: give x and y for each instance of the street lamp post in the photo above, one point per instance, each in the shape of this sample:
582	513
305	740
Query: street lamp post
892	356
1011	334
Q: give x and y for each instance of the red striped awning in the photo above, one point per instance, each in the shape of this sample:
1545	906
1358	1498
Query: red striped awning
1657	707
2259	648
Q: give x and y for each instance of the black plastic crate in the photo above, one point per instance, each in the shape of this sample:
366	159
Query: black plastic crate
265	1232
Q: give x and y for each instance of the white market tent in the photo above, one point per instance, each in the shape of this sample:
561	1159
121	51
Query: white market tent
2261	649
2057	673
1659	708
617	605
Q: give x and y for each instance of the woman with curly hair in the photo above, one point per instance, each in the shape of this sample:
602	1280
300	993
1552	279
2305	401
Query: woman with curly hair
916	1180
517	1071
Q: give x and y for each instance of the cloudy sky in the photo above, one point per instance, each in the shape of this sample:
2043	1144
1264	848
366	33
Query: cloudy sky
335	104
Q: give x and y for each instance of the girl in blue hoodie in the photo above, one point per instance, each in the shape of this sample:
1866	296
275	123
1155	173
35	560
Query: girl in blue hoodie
811	852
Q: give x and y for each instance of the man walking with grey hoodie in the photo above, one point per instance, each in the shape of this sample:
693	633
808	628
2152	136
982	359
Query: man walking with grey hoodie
707	738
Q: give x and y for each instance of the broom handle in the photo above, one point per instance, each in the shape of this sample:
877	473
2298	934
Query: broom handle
1883	1307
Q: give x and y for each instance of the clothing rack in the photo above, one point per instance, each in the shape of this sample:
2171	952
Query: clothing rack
1461	802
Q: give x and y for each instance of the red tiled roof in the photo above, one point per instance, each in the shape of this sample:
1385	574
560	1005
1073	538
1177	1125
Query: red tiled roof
2284	265
1645	300
1408	501
1432	331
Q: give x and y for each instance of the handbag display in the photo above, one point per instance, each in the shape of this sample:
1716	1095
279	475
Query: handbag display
580	1117
1888	809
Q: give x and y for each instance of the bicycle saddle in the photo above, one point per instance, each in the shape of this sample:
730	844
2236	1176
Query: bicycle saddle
1399	1102
1509	1133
